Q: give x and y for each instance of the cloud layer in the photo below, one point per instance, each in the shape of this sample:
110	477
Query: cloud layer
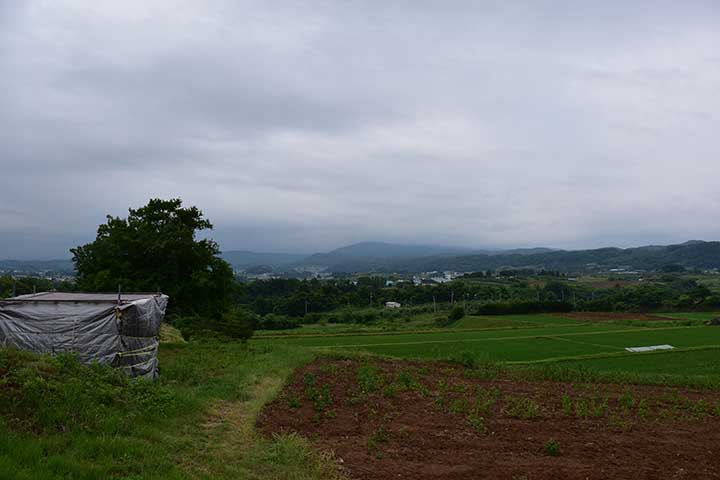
301	126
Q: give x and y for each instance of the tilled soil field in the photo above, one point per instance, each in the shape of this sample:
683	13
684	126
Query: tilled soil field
392	419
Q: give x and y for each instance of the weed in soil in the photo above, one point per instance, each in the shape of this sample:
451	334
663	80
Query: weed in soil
477	422
376	439
551	448
459	412
368	378
521	407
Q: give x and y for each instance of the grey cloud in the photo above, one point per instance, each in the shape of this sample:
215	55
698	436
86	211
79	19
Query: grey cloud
304	125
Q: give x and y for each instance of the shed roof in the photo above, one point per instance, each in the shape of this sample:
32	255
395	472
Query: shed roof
81	297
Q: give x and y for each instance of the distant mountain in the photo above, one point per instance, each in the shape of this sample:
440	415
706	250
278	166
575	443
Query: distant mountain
368	256
383	257
380	257
523	251
694	254
242	259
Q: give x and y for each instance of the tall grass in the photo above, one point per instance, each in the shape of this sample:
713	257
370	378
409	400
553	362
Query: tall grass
60	419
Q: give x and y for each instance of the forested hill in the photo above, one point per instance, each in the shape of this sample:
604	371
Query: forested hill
694	254
371	256
385	258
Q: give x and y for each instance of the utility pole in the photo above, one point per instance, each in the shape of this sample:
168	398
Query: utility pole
434	305
371	302
452	297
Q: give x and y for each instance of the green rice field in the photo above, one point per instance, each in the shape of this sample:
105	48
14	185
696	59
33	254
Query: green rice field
529	339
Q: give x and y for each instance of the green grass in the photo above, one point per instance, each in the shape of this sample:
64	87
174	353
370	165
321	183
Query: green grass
546	343
417	321
702	362
422	322
495	321
699	316
439	336
196	422
58	420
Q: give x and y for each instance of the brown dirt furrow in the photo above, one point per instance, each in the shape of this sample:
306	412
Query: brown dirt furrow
414	420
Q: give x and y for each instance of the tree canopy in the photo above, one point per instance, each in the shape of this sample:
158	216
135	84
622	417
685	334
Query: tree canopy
155	248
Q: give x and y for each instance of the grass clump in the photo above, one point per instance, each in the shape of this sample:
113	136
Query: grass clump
170	334
551	448
57	394
61	419
477	422
368	378
521	407
379	436
406	380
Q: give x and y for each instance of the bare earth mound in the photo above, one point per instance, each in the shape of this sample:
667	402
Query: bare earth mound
387	419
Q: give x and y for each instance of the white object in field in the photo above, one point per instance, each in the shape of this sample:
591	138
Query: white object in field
392	305
651	348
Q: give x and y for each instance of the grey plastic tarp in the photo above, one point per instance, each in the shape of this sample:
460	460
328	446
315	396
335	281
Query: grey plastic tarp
124	335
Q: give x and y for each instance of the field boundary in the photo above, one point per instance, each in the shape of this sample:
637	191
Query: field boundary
423	331
594	356
523	337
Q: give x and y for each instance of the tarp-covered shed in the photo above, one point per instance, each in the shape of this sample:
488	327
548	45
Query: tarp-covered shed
121	331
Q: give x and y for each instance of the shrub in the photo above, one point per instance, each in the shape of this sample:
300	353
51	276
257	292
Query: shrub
516	308
456	313
235	324
465	358
277	322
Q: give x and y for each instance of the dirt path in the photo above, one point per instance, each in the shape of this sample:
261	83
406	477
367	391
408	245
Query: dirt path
228	432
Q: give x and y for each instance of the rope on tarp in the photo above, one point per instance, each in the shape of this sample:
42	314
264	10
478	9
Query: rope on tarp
138	351
137	364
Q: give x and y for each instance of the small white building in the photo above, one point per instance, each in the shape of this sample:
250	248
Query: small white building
392	305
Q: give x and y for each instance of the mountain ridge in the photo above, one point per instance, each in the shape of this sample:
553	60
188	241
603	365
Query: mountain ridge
383	257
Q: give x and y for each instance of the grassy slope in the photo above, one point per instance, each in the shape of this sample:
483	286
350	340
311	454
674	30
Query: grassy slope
195	423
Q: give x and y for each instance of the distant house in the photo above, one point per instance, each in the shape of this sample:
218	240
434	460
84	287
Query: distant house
392	305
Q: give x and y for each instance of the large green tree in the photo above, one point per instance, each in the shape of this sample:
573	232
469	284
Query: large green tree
156	247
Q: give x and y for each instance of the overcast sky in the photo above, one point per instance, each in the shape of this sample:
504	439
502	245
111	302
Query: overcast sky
306	125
